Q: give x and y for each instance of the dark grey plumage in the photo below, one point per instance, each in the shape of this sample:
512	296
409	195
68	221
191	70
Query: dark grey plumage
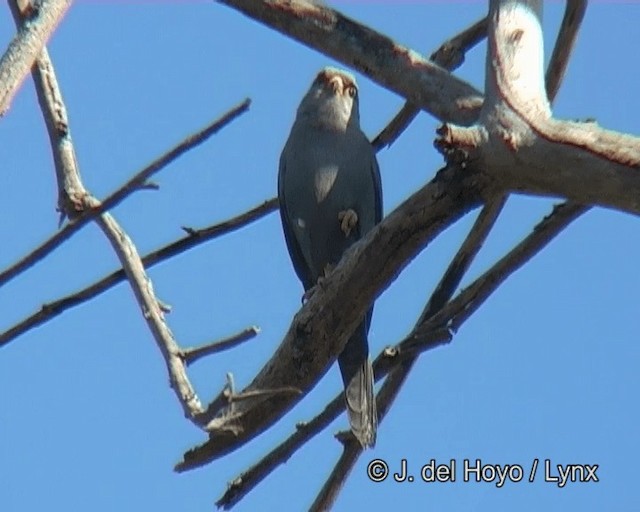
328	173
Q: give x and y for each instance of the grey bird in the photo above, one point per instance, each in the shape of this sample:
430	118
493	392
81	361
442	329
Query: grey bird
330	196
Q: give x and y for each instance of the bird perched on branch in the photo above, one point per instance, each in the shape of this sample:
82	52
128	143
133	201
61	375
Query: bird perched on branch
330	197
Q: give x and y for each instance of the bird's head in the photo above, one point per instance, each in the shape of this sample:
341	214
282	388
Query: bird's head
332	101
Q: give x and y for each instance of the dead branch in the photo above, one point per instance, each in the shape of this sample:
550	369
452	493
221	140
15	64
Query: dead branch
522	146
200	455
567	36
68	175
192	354
153	315
25	47
393	66
56	121
388	359
135	183
195	237
450	56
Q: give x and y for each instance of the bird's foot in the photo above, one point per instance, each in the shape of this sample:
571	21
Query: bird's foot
320	283
348	220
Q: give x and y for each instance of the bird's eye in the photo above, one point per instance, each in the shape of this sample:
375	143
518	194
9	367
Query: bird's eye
352	91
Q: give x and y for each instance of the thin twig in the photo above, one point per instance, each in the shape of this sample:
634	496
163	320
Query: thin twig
567	35
192	354
456	312
121	193
450	56
195	237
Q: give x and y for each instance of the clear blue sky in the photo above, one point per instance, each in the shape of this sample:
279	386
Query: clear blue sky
547	368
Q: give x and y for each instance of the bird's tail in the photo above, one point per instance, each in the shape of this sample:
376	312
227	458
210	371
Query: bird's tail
357	375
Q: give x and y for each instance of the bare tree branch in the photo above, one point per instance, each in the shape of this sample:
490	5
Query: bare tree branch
450	56
135	183
393	66
567	36
54	112
207	451
195	237
522	146
388	359
192	354
25	47
472	297
68	175
499	155
332	487
153	315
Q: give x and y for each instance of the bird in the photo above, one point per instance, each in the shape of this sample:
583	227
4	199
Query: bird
330	196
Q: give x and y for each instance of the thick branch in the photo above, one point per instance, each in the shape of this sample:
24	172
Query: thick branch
23	50
450	56
579	161
393	66
521	146
453	314
387	360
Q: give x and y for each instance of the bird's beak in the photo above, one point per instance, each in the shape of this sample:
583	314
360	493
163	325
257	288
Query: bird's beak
335	84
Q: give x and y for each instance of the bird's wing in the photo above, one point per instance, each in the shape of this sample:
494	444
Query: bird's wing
300	264
377	186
